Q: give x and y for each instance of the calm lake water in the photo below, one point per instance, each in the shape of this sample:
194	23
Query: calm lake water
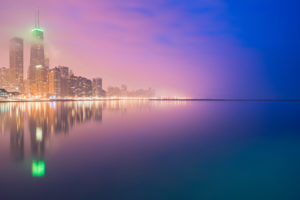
150	150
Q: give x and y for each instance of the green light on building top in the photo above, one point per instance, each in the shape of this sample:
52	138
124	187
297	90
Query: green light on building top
37	29
38	168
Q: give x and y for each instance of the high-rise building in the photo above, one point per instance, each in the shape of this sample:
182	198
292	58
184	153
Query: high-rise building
37	73
41	81
4	78
3	93
97	87
26	87
54	81
124	91
16	63
80	86
64	77
64	71
47	62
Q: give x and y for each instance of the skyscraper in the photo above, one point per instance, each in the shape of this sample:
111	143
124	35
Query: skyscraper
47	61
16	63
58	81
80	86
54	81
64	74
4	78
97	87
37	74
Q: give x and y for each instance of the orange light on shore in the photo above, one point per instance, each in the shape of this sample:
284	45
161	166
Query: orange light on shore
38	98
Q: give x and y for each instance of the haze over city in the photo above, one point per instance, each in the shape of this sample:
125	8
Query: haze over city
149	99
193	48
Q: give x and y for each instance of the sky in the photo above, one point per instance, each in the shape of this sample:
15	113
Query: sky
194	48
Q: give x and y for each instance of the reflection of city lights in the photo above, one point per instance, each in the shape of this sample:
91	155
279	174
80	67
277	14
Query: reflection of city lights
38	168
39	134
3	108
53	104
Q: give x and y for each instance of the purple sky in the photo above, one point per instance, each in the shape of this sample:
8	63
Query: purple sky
177	48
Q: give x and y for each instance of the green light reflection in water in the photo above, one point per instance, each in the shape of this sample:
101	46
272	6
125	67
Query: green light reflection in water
38	168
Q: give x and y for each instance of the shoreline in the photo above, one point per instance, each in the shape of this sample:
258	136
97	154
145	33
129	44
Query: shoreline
147	99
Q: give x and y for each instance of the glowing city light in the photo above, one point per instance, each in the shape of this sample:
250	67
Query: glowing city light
38	168
37	29
38	66
39	134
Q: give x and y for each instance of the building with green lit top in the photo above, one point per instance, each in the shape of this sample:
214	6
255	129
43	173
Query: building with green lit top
37	73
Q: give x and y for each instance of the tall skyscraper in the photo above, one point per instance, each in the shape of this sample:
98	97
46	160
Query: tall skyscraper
37	74
16	63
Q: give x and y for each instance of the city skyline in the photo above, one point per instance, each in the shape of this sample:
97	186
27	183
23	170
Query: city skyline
41	81
194	48
45	82
56	82
139	99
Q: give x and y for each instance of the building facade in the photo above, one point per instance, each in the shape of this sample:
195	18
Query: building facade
4	78
54	82
16	62
64	76
97	88
37	72
80	86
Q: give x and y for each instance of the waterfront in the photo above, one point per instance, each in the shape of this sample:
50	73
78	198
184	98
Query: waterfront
149	150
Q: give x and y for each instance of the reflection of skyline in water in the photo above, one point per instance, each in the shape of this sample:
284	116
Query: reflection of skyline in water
43	120
240	146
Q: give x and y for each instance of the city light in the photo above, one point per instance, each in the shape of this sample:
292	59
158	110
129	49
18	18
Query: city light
38	168
37	29
39	134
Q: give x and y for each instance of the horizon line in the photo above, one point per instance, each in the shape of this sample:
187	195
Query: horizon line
158	99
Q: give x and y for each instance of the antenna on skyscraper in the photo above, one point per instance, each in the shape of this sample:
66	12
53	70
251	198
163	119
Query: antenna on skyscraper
38	18
34	20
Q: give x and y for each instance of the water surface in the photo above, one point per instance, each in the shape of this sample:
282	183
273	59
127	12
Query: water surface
150	150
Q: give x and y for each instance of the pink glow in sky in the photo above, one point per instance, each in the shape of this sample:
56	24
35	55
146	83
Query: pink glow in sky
139	43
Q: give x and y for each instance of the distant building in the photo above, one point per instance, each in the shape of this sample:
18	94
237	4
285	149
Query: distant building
64	76
119	92
64	71
113	91
16	63
97	88
80	86
4	78
26	87
62	84
40	86
54	82
4	93
47	62
124	91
